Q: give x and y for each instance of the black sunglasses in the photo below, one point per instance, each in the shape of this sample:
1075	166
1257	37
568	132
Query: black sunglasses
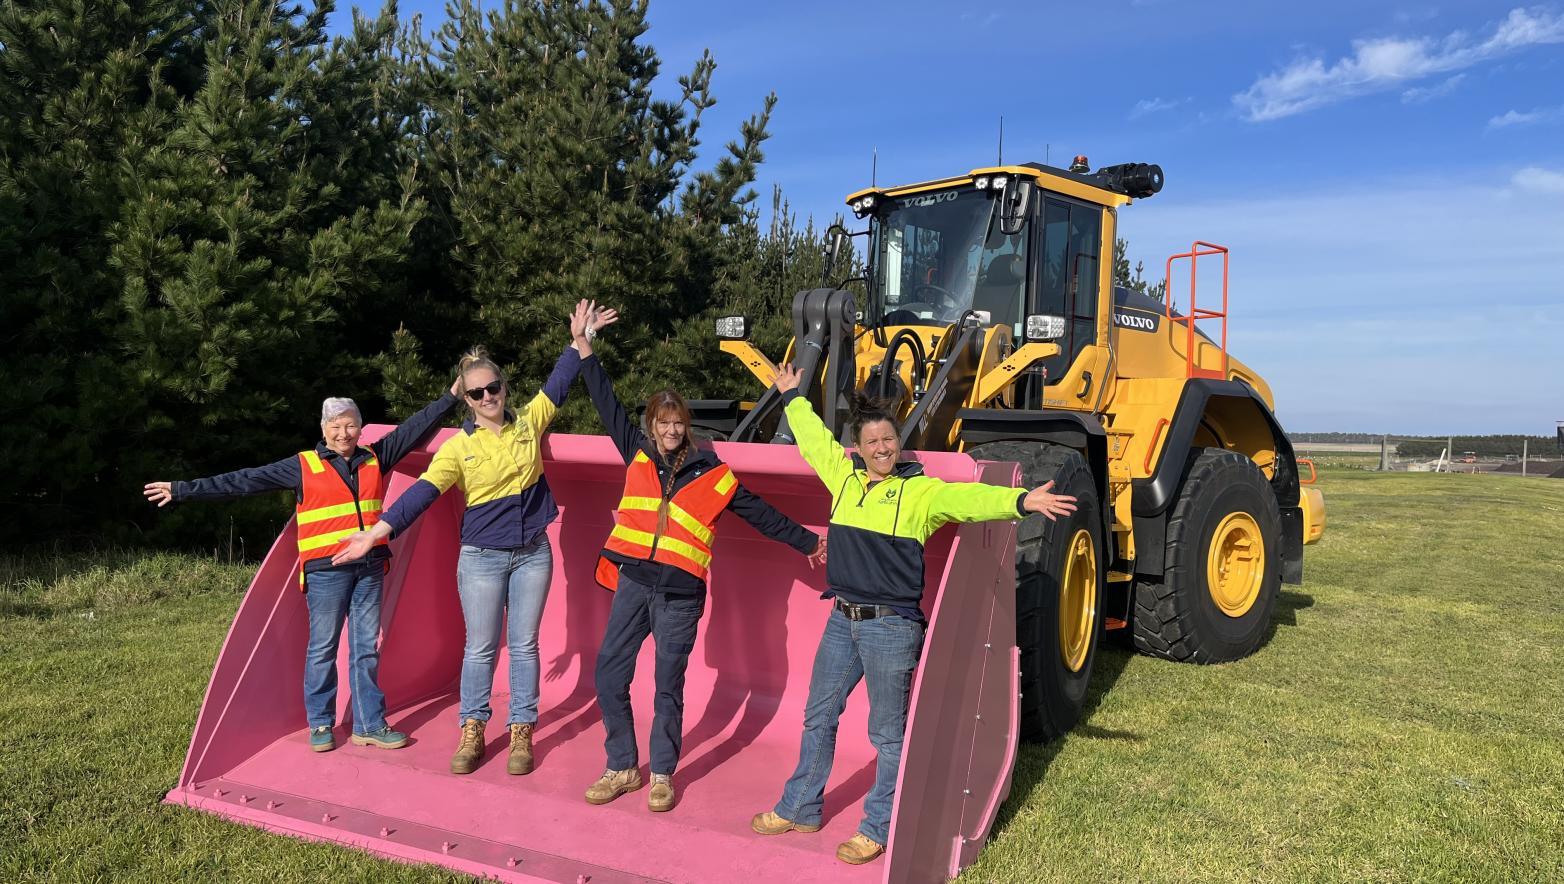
493	389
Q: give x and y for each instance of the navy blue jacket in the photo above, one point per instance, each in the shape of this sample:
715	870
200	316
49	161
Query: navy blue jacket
630	440
285	474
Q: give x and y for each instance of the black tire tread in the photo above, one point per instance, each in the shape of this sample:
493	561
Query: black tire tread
1040	462
1162	621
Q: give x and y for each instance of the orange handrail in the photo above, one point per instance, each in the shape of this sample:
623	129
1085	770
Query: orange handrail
1196	251
1313	476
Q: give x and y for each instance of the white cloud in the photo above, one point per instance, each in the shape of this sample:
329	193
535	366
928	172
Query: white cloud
1424	94
1389	62
1518	118
1154	105
1534	179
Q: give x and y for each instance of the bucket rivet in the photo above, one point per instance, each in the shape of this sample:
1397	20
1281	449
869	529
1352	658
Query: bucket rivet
966	791
244	799
988	645
220	792
385	832
271	805
326	817
511	862
198	786
445	846
980	718
583	879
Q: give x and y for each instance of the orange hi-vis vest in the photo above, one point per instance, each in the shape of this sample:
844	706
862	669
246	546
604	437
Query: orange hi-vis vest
328	513
692	511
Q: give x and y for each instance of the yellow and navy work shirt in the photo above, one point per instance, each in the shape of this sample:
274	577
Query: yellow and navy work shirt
500	474
878	529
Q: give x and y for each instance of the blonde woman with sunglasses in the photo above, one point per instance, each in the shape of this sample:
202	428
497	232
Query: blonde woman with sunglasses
506	562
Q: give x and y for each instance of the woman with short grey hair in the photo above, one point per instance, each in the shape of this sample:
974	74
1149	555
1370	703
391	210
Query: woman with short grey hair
339	486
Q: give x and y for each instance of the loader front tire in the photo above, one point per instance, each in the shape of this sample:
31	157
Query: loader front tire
1223	566
1060	574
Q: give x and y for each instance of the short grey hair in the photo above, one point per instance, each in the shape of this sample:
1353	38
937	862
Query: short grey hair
336	406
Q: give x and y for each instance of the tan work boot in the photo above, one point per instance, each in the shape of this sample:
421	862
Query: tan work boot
520	761
662	795
612	784
769	823
470	751
858	849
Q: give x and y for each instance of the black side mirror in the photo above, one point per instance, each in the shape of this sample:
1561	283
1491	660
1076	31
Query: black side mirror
836	240
1013	203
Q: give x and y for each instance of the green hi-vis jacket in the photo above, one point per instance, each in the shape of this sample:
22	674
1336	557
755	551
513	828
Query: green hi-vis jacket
878	529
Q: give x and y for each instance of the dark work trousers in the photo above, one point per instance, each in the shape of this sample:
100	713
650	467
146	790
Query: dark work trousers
670	619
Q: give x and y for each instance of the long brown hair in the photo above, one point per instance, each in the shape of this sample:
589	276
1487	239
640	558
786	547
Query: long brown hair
660	404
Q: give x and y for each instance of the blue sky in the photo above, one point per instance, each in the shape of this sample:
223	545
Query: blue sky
1389	176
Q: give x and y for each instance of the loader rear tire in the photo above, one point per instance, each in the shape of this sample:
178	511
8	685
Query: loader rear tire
1223	566
1060	575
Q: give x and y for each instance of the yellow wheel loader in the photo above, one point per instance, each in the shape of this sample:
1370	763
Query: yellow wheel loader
990	317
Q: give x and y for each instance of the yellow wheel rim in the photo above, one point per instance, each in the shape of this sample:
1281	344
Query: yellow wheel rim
1235	564
1078	600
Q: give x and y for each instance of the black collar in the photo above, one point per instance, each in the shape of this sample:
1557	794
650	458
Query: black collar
470	426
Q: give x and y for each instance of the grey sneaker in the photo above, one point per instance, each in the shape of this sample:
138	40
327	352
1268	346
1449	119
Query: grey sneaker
612	784
321	739
662	796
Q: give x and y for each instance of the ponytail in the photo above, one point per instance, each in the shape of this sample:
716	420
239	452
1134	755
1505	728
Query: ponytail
865	410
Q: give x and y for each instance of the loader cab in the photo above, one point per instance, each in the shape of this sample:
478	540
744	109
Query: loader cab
945	252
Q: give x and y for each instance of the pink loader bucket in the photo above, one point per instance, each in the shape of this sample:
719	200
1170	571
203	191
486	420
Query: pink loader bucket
249	757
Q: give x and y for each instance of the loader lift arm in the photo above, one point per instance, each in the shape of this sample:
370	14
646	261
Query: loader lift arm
823	324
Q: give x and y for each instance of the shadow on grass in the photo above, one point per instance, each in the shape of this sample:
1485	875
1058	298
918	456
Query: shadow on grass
1288	604
1113	654
1033	761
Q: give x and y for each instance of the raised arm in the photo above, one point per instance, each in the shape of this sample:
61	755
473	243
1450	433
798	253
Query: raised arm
282	475
416	430
444	471
819	448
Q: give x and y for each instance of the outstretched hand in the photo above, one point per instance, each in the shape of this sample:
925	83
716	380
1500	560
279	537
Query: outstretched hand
818	556
1042	500
354	548
788	377
160	493
600	318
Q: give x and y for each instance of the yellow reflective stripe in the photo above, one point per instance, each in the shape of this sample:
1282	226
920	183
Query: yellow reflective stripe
727	481
640	457
313	460
690	523
671	544
320	514
308	543
675	512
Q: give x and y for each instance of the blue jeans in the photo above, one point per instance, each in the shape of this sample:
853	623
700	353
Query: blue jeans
884	653
350	593
492	582
671	619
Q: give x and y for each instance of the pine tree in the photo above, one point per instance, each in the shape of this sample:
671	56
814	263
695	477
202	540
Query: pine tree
78	83
256	240
557	176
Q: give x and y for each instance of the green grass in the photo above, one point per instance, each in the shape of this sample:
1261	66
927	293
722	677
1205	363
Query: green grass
1404	723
